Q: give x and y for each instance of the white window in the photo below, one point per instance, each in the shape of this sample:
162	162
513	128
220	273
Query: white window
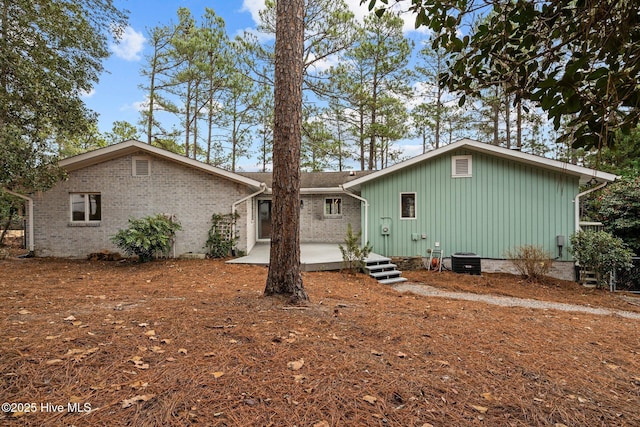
141	166
333	206
407	205
86	207
461	166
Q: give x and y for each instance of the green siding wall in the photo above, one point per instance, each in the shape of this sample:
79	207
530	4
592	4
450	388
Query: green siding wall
505	204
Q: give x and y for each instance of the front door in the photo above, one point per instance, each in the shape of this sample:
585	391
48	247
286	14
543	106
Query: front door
264	219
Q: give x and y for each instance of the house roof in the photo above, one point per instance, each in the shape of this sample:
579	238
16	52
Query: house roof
584	174
132	146
313	182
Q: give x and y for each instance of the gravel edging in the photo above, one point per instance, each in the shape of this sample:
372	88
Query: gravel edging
503	301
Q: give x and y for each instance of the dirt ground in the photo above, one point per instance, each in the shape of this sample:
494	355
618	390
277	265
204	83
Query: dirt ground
194	342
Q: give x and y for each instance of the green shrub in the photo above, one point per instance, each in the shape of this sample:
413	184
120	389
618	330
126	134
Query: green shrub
354	256
601	253
619	210
221	240
532	262
147	237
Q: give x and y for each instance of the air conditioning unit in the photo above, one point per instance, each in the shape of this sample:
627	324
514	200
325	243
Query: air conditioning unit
466	262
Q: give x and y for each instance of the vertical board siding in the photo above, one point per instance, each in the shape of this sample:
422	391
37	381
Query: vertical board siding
505	204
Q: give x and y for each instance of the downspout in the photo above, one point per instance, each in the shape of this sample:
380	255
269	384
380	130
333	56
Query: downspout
263	188
576	202
30	222
365	235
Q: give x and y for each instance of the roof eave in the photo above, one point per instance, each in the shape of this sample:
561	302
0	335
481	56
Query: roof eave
584	174
132	146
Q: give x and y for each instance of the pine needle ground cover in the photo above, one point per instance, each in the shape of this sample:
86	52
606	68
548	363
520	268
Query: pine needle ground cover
194	342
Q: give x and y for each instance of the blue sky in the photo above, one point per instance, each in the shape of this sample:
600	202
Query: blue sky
117	95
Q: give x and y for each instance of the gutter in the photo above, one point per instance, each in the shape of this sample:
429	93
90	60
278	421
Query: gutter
263	188
365	235
576	202
29	200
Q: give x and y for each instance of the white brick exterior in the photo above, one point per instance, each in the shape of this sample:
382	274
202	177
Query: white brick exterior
190	194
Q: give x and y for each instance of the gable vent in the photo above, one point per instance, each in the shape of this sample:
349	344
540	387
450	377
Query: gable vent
461	166
141	166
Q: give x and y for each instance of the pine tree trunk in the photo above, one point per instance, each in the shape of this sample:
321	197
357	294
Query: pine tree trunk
284	276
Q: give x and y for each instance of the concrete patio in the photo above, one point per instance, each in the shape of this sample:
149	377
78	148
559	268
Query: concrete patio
313	256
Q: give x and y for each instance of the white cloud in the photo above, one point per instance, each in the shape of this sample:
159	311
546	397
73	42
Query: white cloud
409	18
325	64
359	10
141	105
410	149
87	95
253	32
253	7
130	45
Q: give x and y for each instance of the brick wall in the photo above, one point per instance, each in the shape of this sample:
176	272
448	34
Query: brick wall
189	194
315	227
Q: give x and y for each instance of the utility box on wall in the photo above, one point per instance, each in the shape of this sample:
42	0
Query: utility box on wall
466	262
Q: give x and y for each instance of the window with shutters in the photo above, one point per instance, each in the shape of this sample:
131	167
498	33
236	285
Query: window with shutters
461	166
141	166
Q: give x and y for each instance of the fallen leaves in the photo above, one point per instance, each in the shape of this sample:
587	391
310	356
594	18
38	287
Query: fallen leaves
370	399
397	354
481	409
138	385
488	396
137	399
77	354
296	365
139	363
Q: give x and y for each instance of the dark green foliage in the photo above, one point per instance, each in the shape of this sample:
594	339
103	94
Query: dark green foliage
600	252
354	256
629	279
619	210
222	240
9	206
147	237
623	158
577	60
51	52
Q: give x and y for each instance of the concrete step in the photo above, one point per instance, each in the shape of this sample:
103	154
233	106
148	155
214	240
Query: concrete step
393	280
384	271
379	267
385	274
377	261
